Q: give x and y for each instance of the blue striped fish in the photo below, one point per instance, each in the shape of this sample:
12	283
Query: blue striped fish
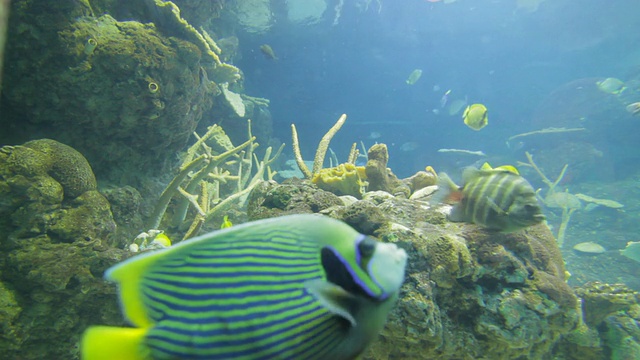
496	198
293	287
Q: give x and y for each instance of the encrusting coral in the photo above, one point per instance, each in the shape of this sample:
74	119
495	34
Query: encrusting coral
344	179
341	179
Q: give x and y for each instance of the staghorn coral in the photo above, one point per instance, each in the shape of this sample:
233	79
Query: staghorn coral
321	151
205	169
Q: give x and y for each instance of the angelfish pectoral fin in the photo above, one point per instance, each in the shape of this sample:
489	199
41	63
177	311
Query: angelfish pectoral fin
333	298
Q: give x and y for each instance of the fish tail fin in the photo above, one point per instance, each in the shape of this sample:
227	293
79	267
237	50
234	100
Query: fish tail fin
109	343
447	190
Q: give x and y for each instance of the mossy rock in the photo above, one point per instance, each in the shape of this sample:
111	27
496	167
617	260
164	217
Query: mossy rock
67	166
294	196
96	78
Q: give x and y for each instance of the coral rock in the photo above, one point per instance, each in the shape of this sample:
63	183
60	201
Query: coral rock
469	293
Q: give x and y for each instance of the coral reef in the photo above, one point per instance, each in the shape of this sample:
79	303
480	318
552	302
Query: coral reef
82	79
600	300
294	196
205	170
623	334
610	329
380	177
468	291
376	173
321	150
49	189
54	247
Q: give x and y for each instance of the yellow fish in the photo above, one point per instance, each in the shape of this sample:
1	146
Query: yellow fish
226	223
268	52
162	239
475	116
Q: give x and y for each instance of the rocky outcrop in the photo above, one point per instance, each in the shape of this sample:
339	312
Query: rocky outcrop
469	293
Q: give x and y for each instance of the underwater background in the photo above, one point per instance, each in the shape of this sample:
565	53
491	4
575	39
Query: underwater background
120	117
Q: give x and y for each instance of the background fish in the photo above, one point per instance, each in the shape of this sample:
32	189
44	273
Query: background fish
634	108
294	287
268	52
497	199
475	116
611	86
414	76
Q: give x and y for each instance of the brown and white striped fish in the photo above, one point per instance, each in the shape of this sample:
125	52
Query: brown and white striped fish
497	199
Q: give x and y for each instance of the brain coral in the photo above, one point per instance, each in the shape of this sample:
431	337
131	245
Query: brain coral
67	166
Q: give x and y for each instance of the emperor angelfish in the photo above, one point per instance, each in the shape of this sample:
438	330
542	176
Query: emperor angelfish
497	199
293	287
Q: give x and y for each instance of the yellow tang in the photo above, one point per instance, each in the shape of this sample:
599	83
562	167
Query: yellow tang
475	116
414	76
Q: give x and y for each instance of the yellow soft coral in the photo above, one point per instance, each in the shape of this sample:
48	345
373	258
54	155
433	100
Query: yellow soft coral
344	179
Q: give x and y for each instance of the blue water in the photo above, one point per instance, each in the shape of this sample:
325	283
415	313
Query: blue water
490	52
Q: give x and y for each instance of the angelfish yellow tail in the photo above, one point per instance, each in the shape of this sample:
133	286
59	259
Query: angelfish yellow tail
110	343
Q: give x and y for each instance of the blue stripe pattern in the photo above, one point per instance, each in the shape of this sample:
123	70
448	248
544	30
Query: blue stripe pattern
239	297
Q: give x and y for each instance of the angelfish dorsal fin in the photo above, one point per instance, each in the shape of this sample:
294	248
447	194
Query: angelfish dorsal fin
333	298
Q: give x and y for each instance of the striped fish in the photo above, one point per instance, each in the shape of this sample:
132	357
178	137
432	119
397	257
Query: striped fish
293	287
497	199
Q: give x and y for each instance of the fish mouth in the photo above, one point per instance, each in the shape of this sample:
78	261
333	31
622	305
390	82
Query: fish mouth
539	217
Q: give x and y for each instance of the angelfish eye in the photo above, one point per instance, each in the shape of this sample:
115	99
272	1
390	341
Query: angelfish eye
366	248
